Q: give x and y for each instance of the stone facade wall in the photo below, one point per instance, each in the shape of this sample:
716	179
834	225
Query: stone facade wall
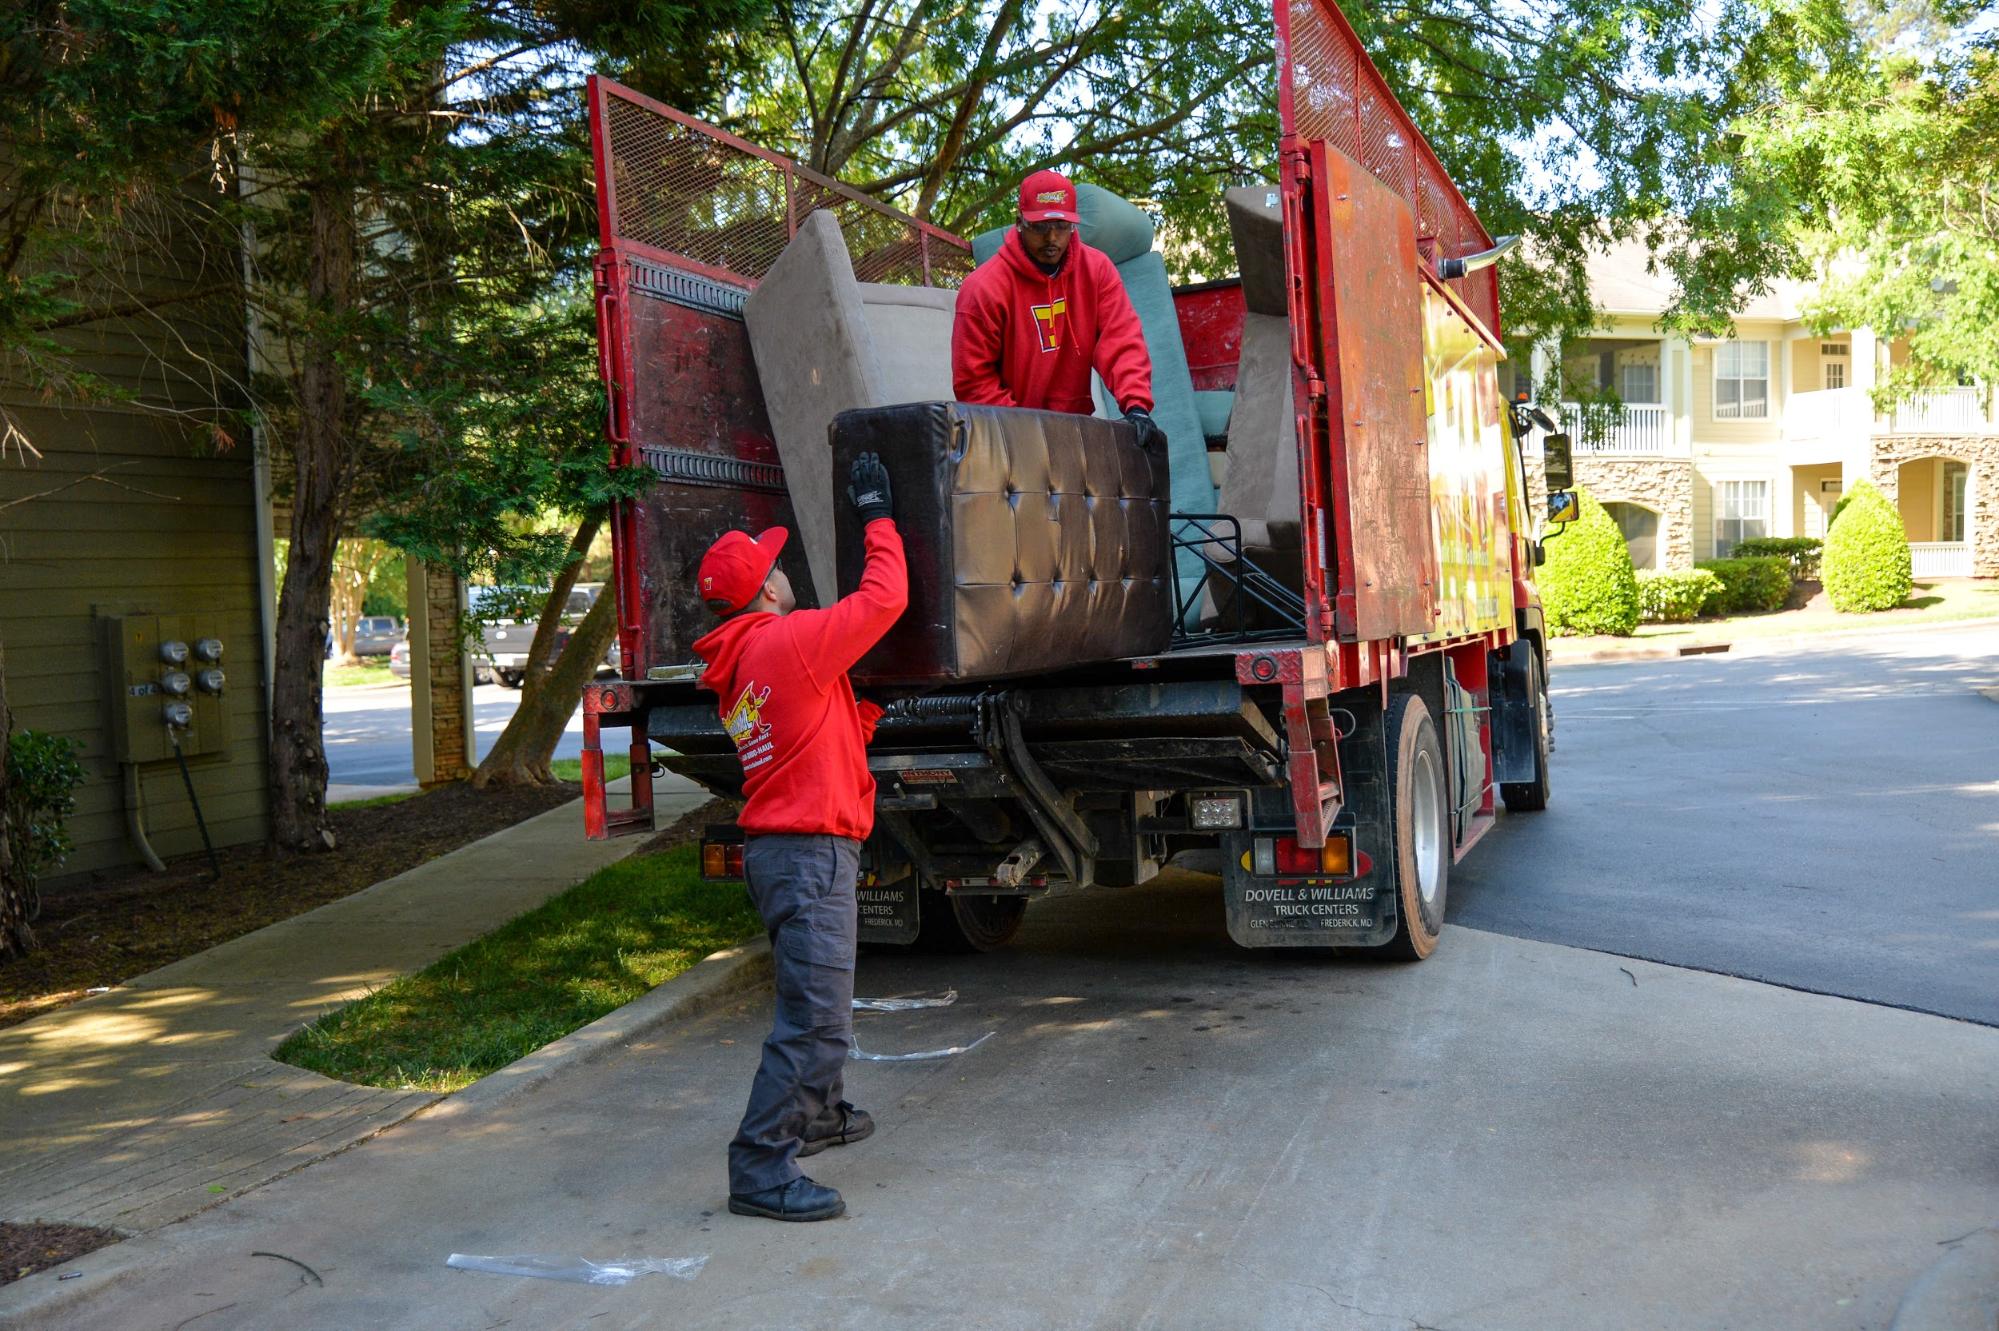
1664	485
442	597
1980	454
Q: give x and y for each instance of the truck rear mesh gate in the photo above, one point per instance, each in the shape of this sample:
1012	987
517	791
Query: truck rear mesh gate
1330	92
682	188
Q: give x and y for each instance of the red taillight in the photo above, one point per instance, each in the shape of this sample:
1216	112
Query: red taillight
721	859
1336	857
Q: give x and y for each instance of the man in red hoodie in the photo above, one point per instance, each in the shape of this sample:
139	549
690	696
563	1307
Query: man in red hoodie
1038	316
808	803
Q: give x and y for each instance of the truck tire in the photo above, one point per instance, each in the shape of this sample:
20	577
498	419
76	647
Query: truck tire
957	922
1532	796
509	679
1421	804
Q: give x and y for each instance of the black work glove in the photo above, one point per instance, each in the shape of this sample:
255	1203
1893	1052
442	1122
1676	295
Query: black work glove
867	488
1150	436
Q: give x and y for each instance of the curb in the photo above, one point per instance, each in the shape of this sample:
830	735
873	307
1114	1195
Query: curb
710	982
1759	646
1960	1291
703	986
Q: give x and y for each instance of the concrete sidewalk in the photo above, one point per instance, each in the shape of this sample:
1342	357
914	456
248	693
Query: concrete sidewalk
1595	651
146	1104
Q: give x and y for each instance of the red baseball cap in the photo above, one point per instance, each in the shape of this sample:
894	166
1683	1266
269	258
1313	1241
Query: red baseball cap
1047	196
736	567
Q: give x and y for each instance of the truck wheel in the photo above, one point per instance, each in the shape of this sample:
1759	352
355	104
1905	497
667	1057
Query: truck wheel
1420	796
955	922
509	679
1532	796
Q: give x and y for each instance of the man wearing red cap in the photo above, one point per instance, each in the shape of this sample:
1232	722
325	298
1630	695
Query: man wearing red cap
1037	317
808	803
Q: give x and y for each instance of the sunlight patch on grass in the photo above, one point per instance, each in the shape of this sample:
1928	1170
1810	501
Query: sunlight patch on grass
624	930
571	769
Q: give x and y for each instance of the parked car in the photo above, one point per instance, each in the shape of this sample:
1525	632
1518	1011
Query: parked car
399	658
508	617
377	635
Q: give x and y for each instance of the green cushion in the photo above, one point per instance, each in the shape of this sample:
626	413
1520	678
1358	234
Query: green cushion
1213	405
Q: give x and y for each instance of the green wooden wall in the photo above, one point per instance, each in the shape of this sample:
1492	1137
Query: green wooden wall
168	528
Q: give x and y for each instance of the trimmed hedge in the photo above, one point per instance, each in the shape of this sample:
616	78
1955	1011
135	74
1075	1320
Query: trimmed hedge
1748	585
1801	551
1675	596
1587	585
1866	565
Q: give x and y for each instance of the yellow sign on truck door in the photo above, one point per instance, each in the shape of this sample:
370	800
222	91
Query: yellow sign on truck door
1468	474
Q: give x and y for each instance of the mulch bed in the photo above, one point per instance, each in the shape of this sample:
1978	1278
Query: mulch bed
687	828
105	931
26	1249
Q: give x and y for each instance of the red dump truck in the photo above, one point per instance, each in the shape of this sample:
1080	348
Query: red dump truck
1356	675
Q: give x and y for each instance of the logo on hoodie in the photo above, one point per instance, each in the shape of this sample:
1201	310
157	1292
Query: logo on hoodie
747	729
1046	323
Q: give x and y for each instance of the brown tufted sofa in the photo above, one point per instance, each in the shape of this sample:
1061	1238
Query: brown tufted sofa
1036	540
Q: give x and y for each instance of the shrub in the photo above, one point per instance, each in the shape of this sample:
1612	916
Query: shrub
1866	565
1801	551
1674	596
42	777
1748	585
1587	585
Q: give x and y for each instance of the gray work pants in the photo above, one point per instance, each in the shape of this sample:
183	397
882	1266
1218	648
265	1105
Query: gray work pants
804	889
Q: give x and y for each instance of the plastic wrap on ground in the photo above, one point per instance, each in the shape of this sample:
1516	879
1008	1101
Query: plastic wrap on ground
904	1004
921	1057
578	1270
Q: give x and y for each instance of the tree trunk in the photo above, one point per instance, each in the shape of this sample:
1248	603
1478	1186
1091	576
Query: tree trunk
319	466
541	654
16	938
520	756
348	593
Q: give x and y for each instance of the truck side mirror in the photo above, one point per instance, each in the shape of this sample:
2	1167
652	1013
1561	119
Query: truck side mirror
1556	463
1540	553
1564	506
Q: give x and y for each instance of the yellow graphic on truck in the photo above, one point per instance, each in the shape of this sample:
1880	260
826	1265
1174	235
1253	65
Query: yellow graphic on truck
1468	478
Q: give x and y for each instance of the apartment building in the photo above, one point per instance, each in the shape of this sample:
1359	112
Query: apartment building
1760	433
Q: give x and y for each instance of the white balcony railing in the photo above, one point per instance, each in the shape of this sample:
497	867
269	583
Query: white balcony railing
1644	431
1829	414
1940	559
1943	411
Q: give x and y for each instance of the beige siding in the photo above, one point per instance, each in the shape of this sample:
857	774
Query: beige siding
1919	487
138	510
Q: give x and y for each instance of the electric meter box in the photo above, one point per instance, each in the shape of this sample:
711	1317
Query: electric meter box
157	666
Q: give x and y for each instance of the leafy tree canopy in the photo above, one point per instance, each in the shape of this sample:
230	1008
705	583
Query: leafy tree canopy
1573	122
1882	169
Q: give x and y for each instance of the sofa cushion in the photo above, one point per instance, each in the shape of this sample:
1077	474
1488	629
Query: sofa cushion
912	336
816	357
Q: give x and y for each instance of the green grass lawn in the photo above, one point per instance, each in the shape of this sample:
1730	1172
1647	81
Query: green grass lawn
571	769
374	801
371	670
626	928
1939	602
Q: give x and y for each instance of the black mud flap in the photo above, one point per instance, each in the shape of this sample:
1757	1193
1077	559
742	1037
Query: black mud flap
889	914
1295	910
889	911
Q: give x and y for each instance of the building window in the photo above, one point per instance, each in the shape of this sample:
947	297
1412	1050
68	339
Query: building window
1956	480
1745	512
1639	383
1835	374
1640	526
1742	381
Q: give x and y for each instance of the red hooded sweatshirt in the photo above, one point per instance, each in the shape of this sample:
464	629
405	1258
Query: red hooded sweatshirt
1026	338
788	705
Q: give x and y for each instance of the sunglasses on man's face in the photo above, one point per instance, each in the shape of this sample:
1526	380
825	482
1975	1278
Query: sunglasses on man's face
1052	228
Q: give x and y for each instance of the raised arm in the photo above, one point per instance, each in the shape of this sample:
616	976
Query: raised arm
830	641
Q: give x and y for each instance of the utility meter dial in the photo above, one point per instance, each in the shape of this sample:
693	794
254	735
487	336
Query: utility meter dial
179	715
175	683
173	652
208	650
209	680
